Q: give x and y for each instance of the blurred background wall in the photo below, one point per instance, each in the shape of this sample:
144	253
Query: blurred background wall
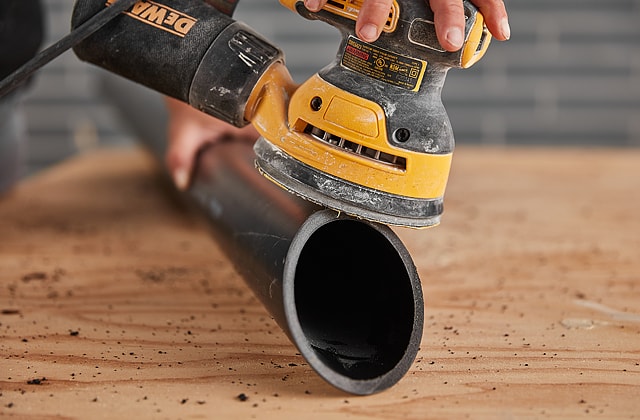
569	76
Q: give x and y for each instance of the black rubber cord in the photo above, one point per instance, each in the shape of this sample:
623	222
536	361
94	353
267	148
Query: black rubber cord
76	36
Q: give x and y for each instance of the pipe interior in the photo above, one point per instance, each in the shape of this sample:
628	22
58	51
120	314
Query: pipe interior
354	299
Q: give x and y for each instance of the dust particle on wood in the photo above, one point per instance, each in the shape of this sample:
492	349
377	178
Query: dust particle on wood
37	275
10	312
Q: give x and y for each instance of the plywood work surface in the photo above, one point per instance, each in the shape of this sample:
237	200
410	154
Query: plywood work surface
116	303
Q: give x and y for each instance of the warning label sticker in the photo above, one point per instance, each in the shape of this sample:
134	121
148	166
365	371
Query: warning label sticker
383	65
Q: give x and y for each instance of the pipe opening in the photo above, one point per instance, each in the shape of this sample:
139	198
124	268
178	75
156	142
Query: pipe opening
354	299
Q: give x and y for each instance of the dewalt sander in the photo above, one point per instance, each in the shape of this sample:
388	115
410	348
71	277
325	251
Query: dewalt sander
367	135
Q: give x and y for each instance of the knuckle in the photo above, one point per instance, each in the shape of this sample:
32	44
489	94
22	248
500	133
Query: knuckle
380	6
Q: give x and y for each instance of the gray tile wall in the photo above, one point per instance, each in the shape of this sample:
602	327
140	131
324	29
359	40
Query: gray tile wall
569	76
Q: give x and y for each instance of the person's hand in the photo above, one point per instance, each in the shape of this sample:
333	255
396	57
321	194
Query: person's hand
188	131
448	16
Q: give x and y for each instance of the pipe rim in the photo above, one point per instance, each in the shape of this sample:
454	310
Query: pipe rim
358	386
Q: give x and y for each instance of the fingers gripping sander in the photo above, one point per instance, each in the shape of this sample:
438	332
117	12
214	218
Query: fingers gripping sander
367	135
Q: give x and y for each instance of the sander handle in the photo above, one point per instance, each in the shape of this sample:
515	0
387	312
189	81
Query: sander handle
185	49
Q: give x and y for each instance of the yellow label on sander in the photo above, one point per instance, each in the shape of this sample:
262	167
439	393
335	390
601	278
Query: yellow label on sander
383	65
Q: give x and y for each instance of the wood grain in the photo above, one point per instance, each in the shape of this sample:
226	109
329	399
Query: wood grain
116	303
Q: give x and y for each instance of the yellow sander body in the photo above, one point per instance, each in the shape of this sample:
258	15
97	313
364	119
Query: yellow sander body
367	135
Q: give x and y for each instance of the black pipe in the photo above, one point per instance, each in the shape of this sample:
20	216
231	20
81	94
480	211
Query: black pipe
344	290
